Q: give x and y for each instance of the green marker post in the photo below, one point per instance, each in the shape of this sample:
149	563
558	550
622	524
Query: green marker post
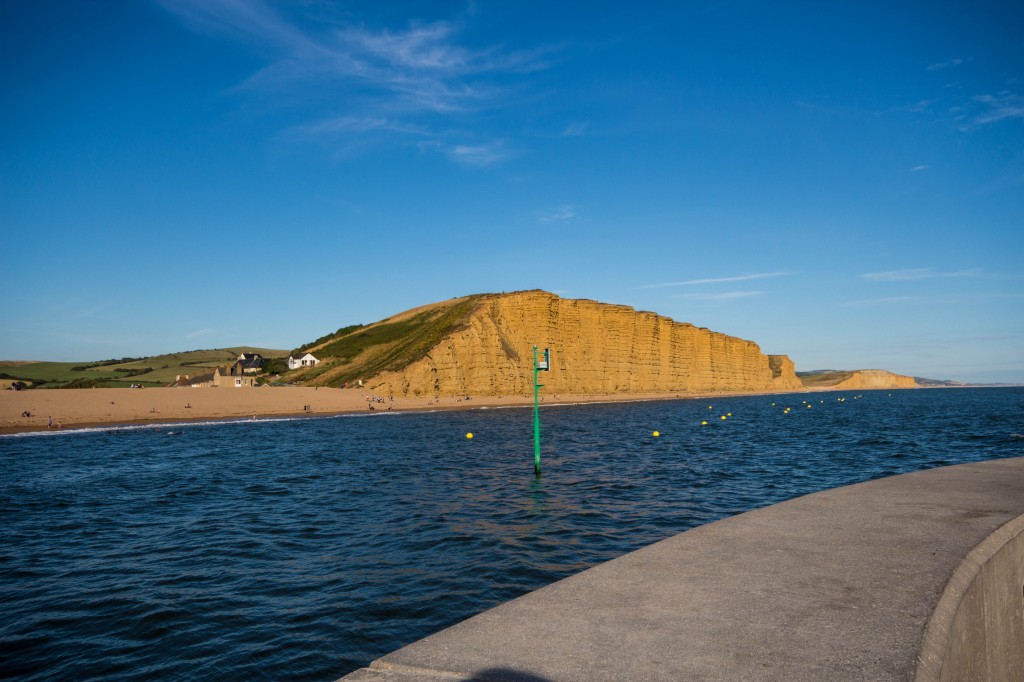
545	365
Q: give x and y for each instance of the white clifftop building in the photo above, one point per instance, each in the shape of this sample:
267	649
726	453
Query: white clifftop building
305	360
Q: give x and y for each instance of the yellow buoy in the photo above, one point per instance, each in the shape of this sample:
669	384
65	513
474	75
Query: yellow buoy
710	407
469	435
729	413
703	423
656	434
723	417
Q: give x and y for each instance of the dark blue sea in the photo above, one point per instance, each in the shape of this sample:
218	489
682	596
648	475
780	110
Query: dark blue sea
303	549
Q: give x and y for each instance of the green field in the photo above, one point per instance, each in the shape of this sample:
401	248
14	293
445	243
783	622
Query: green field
158	370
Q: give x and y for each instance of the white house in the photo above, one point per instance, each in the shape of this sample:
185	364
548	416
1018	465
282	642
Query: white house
299	361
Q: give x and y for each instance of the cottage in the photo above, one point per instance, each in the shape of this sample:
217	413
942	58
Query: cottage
233	376
304	360
221	376
250	363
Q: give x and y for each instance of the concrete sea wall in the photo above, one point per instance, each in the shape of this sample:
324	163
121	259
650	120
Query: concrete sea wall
912	577
977	629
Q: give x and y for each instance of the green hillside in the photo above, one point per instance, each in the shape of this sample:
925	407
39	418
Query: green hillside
157	370
360	352
823	378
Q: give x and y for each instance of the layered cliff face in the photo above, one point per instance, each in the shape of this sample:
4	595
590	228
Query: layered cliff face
876	378
596	348
857	379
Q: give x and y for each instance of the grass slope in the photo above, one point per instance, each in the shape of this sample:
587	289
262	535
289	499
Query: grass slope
822	378
395	343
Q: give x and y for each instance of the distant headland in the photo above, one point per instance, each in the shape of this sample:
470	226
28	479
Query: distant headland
475	347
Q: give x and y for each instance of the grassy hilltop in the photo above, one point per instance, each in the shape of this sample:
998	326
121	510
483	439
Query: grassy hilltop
157	370
360	352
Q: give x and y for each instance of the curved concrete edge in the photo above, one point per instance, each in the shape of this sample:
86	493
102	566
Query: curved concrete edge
977	628
839	584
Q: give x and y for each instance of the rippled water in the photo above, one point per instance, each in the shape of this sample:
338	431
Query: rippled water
305	549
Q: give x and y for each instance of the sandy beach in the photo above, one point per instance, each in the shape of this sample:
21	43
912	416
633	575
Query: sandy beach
79	408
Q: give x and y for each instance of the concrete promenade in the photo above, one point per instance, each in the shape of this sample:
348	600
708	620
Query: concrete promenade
837	585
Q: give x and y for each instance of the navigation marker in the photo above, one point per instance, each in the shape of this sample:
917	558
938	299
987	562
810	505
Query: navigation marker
545	365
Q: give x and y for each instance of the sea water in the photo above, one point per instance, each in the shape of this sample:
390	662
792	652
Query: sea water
303	549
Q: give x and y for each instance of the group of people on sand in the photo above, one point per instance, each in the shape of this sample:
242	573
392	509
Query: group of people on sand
49	423
371	399
437	400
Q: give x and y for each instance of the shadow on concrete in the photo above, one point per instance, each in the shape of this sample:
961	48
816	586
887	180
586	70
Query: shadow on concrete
504	675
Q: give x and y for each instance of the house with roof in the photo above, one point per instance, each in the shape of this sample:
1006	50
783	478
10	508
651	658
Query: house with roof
298	361
250	363
233	376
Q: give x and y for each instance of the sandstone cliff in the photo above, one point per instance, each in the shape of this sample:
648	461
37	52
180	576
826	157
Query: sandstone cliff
857	379
876	378
597	348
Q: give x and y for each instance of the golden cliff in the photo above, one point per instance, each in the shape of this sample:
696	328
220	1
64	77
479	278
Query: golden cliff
856	379
876	378
596	348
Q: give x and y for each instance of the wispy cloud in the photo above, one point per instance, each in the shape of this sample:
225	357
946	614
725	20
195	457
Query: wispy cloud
722	296
717	280
576	129
198	332
389	80
969	112
917	274
558	215
999	107
948	64
361	125
918	169
478	154
422	64
889	300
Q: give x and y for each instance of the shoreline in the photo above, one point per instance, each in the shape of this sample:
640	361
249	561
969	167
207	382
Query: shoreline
96	408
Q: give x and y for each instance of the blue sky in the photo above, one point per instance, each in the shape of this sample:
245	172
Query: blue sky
843	183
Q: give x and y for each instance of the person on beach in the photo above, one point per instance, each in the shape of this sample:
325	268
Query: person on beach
49	422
